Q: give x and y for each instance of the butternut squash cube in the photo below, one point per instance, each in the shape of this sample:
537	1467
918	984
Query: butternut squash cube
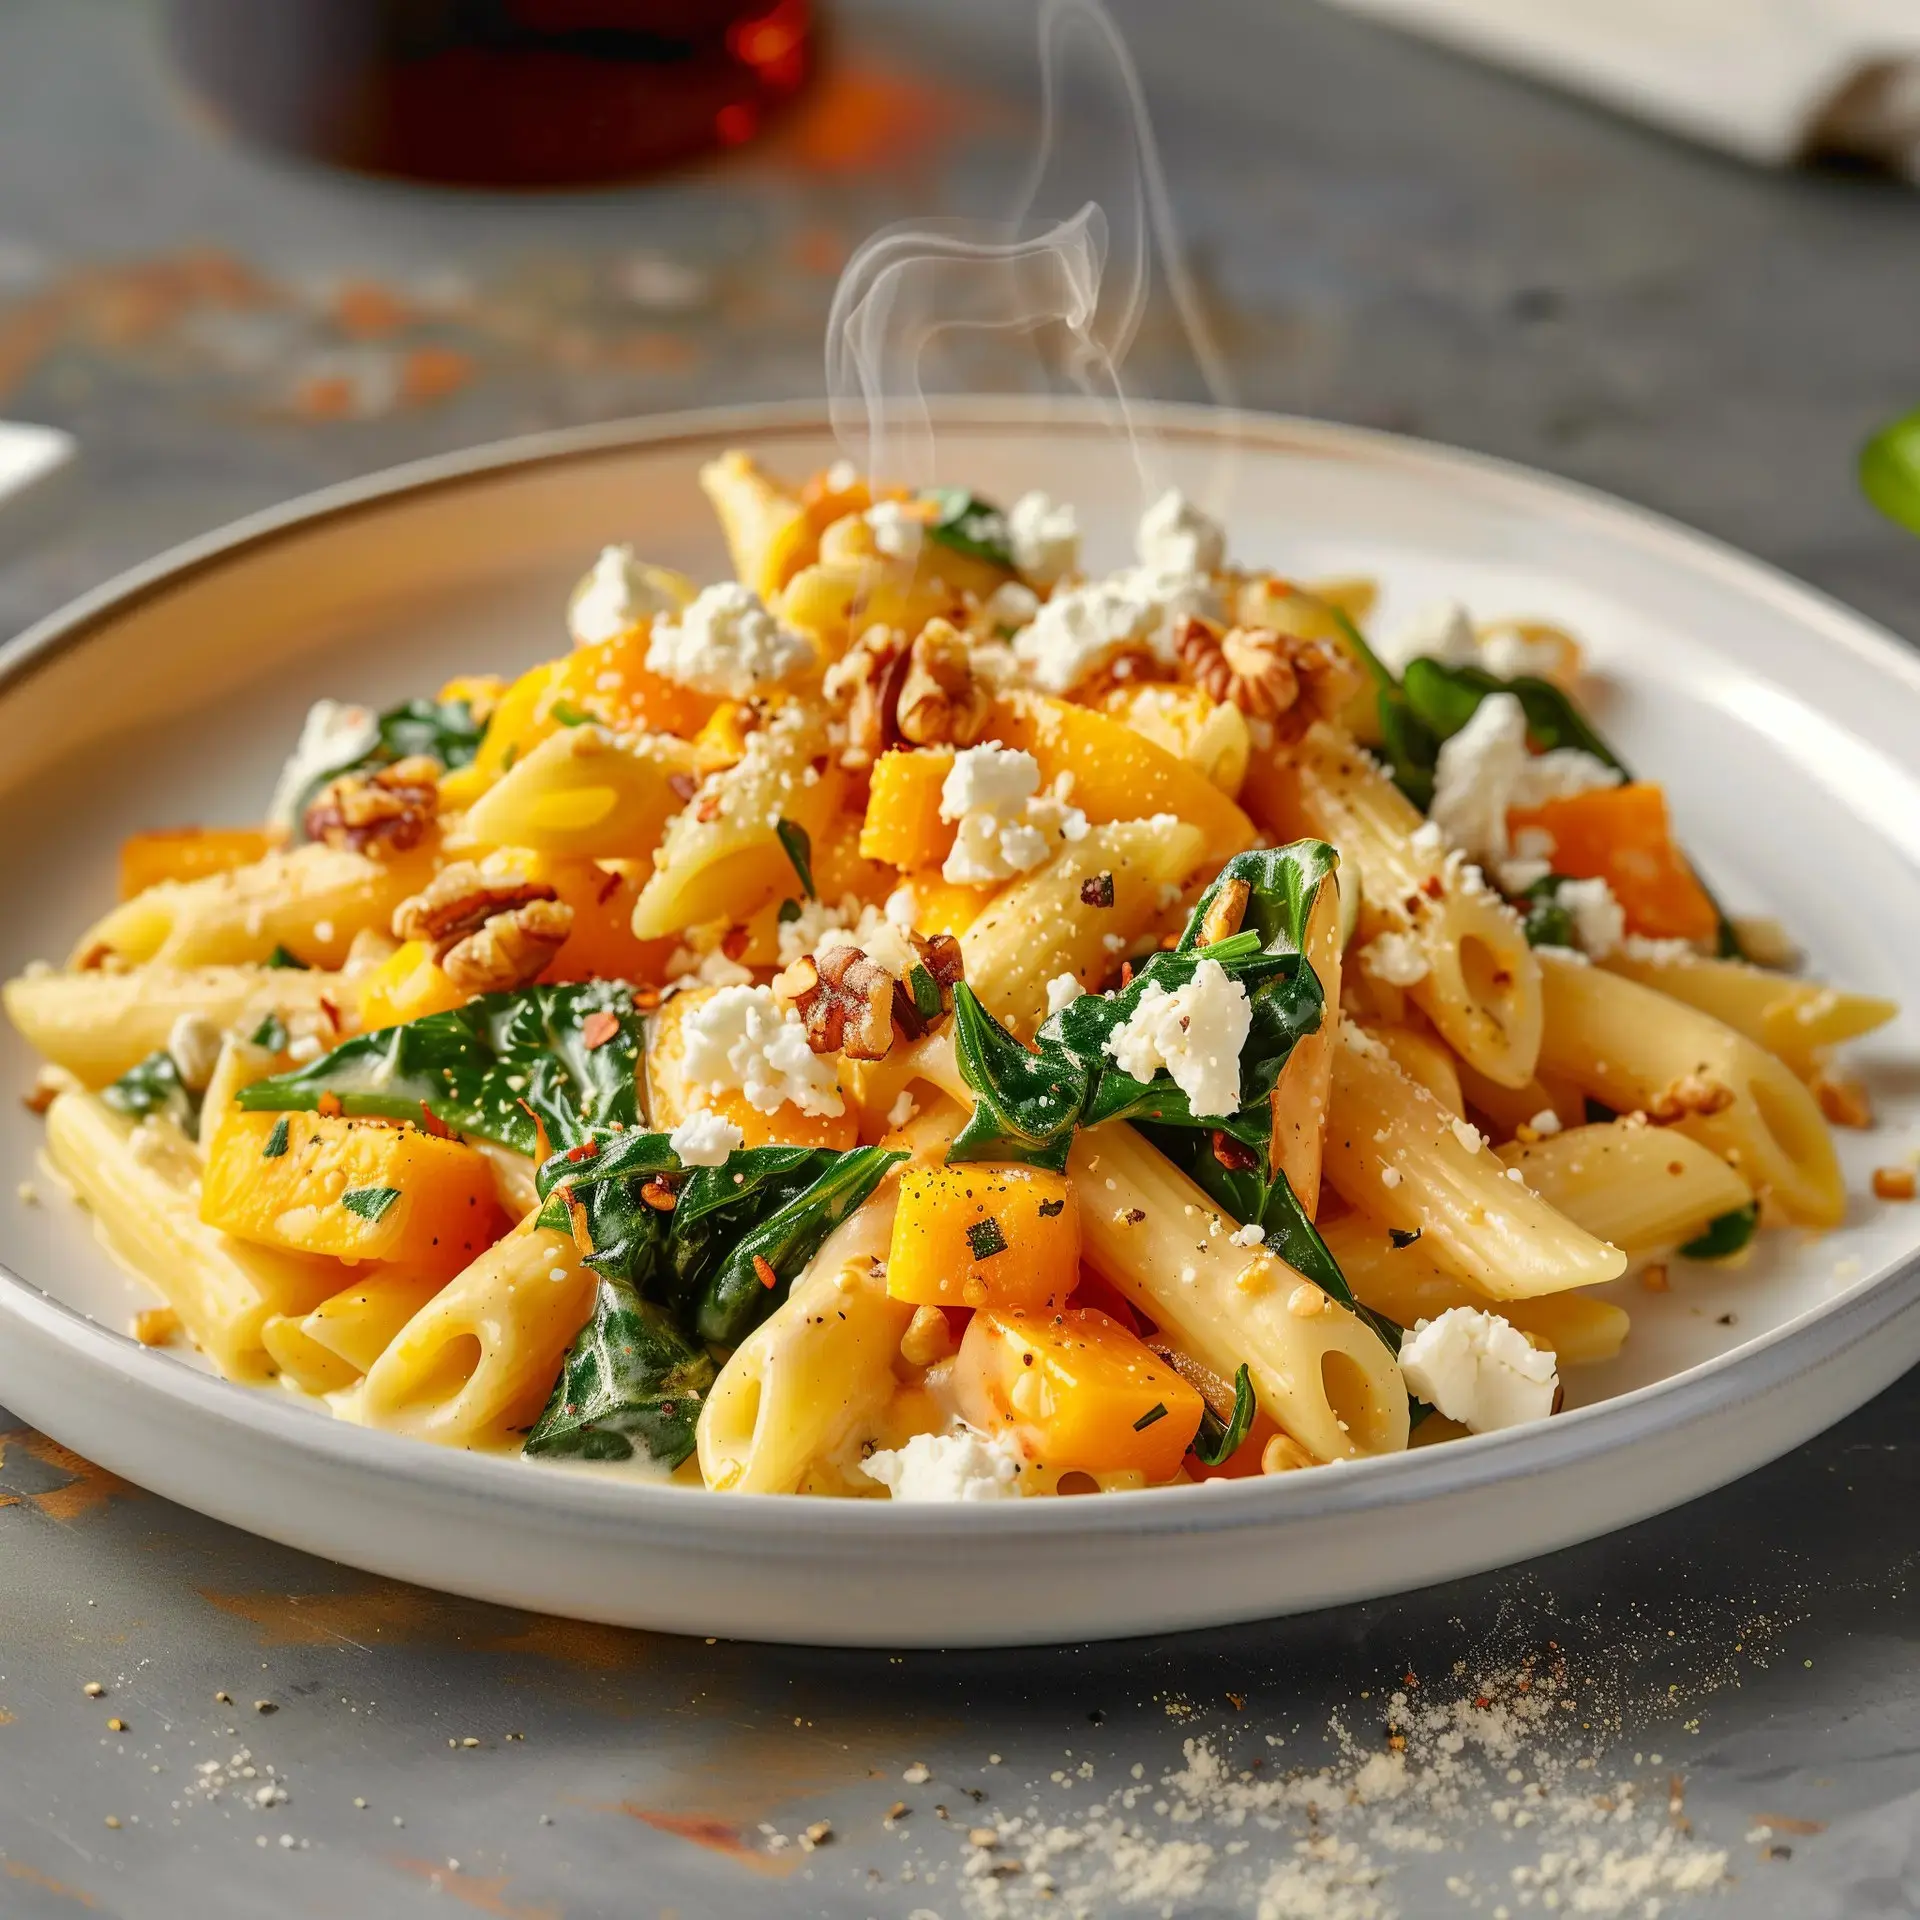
984	1236
407	985
1077	1390
903	824
350	1189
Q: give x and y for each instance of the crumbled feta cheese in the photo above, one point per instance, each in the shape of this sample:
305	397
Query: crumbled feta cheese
1485	771
1390	1177
727	643
949	1466
1441	631
1253	1234
1478	1369
878	935
1599	923
704	962
1358	1040
334	736
743	1040
1174	536
1467	1134
902	1111
615	592
1008	608
305	1050
1508	654
1062	991
705	1139
1045	536
897	529
811	924
1083	629
1545	1123
1516	876
1003	829
1657	953
1395	958
1195	1032
194	1042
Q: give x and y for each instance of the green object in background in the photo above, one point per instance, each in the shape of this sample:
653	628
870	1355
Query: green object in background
1890	471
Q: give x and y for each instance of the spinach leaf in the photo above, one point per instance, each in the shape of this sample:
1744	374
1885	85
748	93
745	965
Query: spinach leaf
500	1068
1026	1105
702	1242
1725	1235
797	844
630	1377
1282	882
154	1086
443	730
1546	923
1219	1440
970	525
283	958
1405	739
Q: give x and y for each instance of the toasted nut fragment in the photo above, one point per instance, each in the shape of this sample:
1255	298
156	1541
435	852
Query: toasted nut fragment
1844	1102
1229	908
1692	1096
868	678
377	813
510	948
928	1338
844	999
941	957
460	899
1268	675
940	703
1216	1392
1893	1183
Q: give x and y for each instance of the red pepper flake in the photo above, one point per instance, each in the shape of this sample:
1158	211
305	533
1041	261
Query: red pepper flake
608	888
763	1268
430	1122
1126	975
329	1106
1432	886
331	1011
1235	1155
735	942
586	1150
598	1028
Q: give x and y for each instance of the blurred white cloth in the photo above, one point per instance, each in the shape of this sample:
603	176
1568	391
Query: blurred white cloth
1770	80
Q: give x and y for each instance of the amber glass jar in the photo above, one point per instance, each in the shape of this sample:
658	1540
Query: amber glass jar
497	93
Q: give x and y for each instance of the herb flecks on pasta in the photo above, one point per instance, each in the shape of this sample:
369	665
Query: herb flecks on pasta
919	1021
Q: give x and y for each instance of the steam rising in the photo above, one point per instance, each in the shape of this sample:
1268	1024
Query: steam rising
1076	286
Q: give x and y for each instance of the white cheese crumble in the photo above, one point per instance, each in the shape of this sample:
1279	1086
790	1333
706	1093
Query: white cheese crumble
743	1040
705	1139
726	643
902	1111
1083	629
1485	771
1045	537
616	591
1003	829
811	924
1467	1134
1508	654
1545	1123
1395	958
194	1042
885	940
1441	631
897	530
1657	953
1007	609
1599	922
1174	536
1195	1032
949	1466
1062	991
334	735
1479	1370
1253	1234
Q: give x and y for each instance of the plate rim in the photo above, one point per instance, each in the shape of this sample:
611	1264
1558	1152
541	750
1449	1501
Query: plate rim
1811	1339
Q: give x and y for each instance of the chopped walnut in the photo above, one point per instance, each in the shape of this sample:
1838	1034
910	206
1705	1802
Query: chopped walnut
1268	675
489	932
845	1001
940	703
940	955
1693	1096
379	813
868	677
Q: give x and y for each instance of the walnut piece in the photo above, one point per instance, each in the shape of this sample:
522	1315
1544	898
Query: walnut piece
940	702
1692	1096
1268	675
488	932
868	678
378	813
844	999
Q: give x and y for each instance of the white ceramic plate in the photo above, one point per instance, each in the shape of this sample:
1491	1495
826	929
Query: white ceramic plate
1779	721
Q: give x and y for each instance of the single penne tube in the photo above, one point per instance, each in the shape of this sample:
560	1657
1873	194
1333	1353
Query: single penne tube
1639	1186
1638	1049
1317	1370
814	1378
1395	1152
582	794
1800	1020
98	1024
300	1360
311	901
360	1322
1477	982
1511	1108
768	530
140	1180
1050	922
722	856
1419	1056
1407	1285
1300	1094
479	1360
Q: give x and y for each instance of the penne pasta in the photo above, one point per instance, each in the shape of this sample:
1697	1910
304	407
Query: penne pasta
581	794
1300	1095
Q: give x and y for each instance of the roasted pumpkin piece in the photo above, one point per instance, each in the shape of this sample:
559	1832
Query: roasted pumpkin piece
903	824
973	1235
1077	1390
350	1189
407	985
